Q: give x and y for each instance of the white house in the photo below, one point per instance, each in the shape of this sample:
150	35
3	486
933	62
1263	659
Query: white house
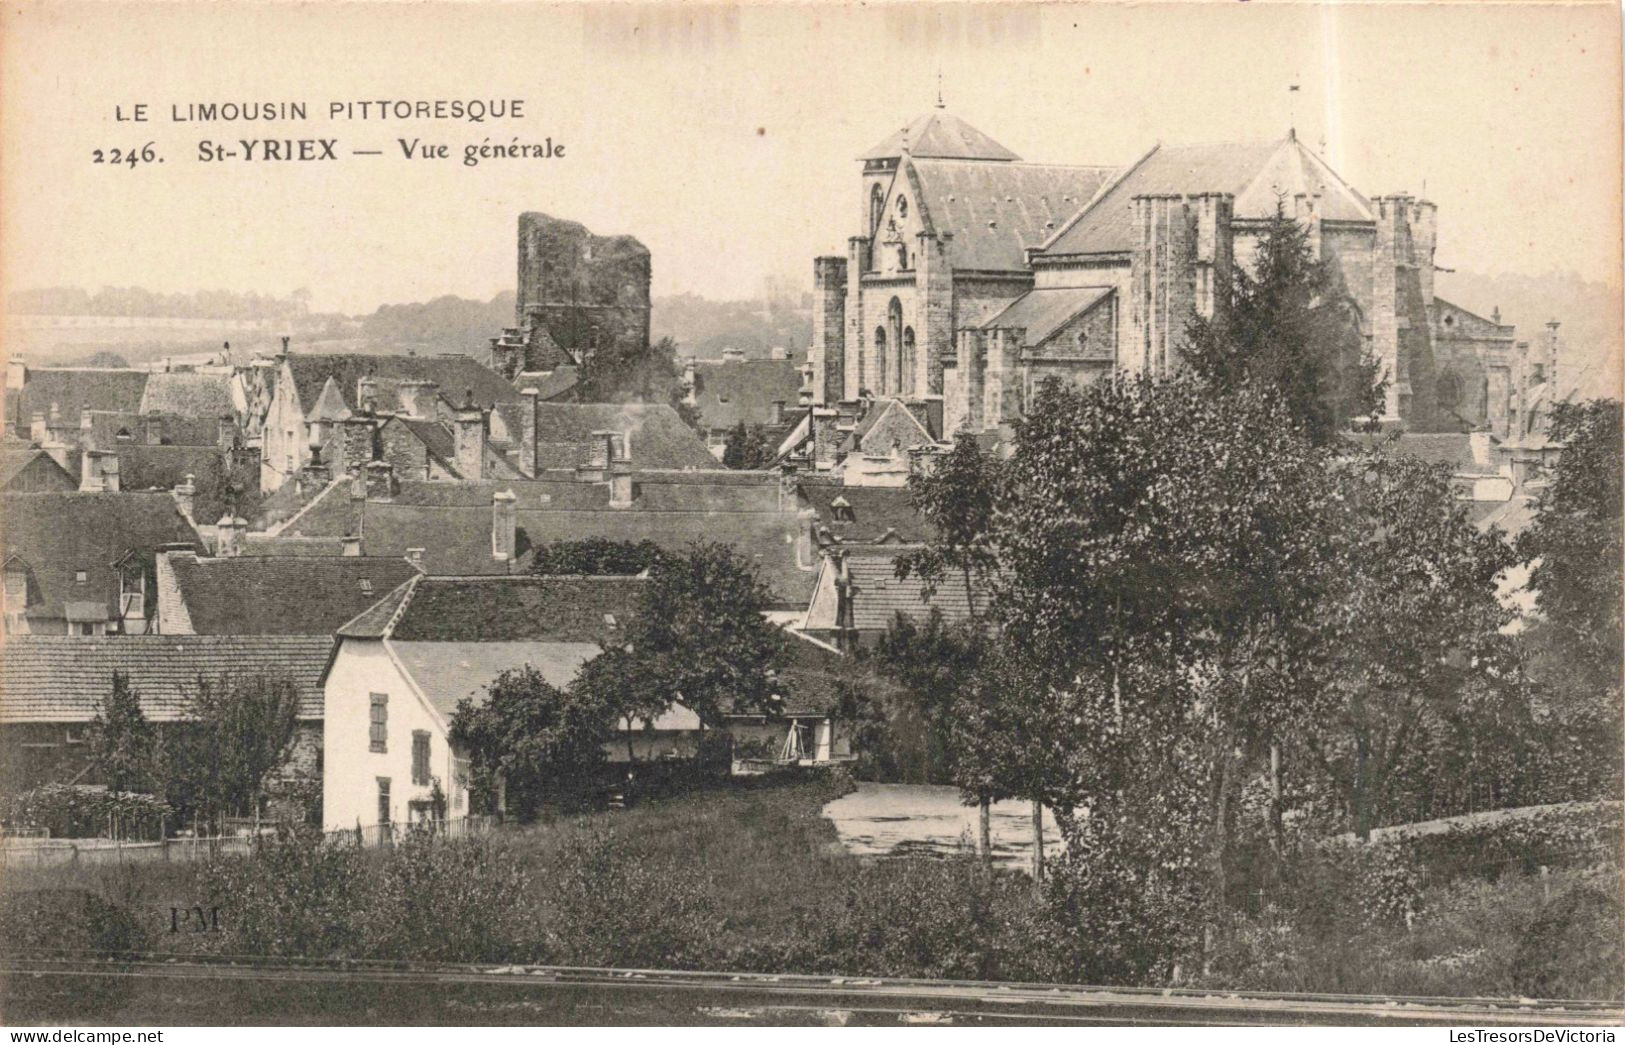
401	667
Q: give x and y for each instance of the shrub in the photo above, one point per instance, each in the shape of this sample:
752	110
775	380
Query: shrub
54	922
79	811
1572	947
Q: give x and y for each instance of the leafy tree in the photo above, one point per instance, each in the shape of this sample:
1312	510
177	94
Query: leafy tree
1575	540
746	448
535	738
1288	329
647	373
956	496
121	739
1414	624
237	731
699	636
596	557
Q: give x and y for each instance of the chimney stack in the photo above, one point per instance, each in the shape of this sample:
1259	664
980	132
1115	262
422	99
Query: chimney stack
185	496
87	429
527	438
229	535
98	472
285	340
228	432
775	412
315	474
620	472
468	431
600	453
152	429
691	388
356	440
352	545
504	529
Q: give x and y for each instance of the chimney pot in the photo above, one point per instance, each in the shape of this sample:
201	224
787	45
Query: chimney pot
504	529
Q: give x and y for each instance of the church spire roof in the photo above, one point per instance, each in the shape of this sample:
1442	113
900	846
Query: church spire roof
940	135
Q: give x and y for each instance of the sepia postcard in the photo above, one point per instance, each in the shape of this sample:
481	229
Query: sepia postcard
891	514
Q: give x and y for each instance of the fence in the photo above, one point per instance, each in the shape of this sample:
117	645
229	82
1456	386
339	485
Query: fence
54	852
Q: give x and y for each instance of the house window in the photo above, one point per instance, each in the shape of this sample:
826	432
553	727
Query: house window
366	585
85	629
79	577
378	726
383	800
420	756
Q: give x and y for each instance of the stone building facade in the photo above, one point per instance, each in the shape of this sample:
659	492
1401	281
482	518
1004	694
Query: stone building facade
976	276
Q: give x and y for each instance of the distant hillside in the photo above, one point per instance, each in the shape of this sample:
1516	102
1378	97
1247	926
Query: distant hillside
705	328
1592	344
448	323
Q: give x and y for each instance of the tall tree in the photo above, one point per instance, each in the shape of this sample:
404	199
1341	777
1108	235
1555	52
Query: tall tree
121	739
700	636
1575	540
237	731
746	448
956	496
1413	624
539	741
1288	328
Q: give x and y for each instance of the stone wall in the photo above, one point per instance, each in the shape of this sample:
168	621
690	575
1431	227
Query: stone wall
579	291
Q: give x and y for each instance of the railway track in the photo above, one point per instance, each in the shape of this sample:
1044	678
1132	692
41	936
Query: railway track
154	990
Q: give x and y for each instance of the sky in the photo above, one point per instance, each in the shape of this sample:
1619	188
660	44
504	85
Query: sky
725	137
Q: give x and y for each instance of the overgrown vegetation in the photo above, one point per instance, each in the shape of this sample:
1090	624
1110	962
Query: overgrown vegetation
750	877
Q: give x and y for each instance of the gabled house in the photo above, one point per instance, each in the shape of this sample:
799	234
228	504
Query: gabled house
28	469
734	390
83	563
402	666
858	596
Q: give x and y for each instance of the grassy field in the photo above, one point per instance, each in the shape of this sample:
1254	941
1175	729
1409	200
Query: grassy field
752	878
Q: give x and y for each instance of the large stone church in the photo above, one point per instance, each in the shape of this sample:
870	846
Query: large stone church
974	275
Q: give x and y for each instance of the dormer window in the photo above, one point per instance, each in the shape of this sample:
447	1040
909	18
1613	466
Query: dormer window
841	510
366	585
79	577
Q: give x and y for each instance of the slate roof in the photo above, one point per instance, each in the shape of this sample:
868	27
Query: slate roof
1448	448
446	672
107	425
332	512
189	394
728	392
60	679
77	390
871	512
997	210
939	133
1043	311
294	547
215	473
455	374
28	469
1254	172
457	539
59	534
1453	321
504	609
657	436
282	595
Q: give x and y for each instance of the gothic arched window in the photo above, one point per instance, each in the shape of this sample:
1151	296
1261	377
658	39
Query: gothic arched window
877	207
880	359
1449	390
907	382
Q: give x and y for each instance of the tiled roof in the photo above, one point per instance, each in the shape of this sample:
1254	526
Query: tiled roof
61	679
282	595
880	595
1044	311
997	210
334	512
939	133
729	392
870	513
505	609
266	545
223	479
657	436
1256	173
74	391
59	534
455	374
1453	321
28	469
189	394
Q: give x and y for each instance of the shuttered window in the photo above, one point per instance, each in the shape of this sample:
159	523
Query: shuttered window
420	756
378	728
